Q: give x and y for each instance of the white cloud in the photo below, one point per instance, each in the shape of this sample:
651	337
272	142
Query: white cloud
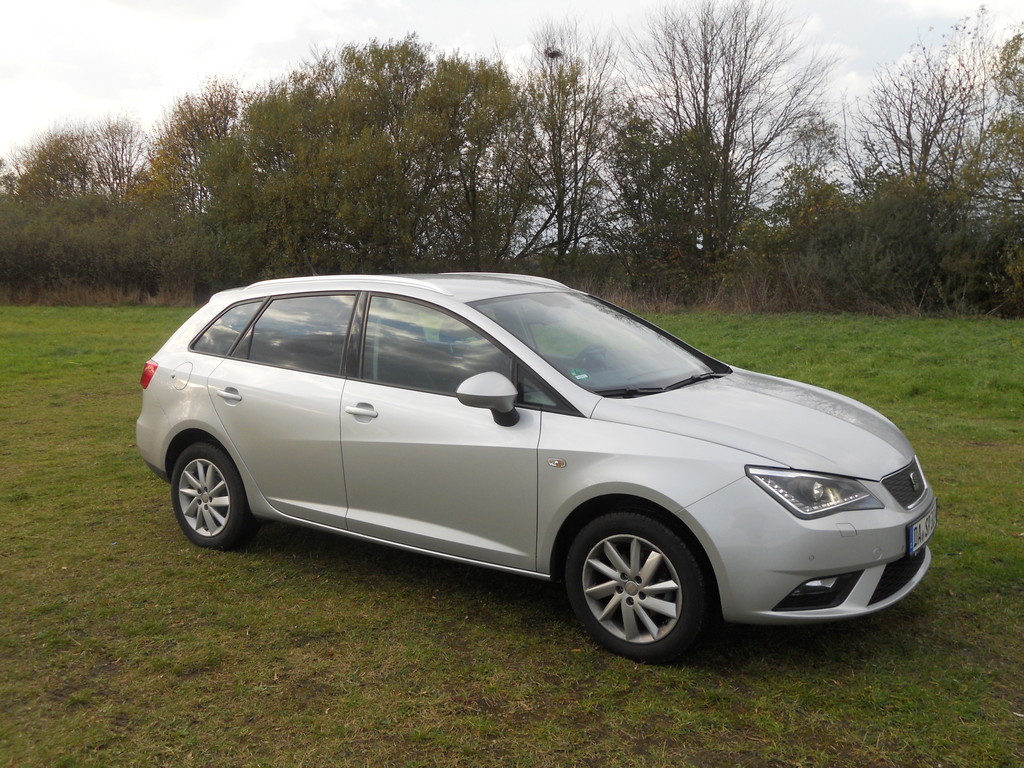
927	9
80	60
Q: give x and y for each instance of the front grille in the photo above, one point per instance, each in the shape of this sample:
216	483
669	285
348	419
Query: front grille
896	576
907	486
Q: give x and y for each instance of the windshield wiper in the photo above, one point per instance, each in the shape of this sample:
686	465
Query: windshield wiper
641	391
629	391
694	379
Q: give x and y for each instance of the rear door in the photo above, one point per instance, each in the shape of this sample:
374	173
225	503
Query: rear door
279	399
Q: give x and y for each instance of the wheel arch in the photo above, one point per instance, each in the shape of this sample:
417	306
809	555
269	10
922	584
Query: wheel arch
183	440
600	505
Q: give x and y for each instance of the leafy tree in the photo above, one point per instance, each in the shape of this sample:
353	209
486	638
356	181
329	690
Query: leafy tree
273	184
809	200
395	156
186	133
714	171
380	158
57	165
1004	184
1005	181
653	223
484	207
107	158
8	180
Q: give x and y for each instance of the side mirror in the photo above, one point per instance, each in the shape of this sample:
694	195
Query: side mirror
493	391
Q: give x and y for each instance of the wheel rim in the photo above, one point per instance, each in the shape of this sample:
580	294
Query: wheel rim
204	497
632	589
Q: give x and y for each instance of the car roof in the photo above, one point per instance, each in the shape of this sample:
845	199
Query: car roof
461	286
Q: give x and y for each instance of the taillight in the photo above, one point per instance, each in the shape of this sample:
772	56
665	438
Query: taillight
147	374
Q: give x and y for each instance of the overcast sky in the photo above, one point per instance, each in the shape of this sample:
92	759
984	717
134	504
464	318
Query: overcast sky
74	61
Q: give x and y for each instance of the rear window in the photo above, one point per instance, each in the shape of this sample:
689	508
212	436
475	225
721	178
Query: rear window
220	336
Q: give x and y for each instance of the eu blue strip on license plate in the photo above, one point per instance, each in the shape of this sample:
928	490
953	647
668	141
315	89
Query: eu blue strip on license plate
921	530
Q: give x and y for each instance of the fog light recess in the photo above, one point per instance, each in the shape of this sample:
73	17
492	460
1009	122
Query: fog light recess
818	593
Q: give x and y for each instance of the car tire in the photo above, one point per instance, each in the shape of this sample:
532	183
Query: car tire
209	499
636	587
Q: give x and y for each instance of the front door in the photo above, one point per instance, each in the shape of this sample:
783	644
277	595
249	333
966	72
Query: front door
423	470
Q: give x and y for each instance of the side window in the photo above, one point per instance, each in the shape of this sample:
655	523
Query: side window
305	333
411	345
531	393
218	338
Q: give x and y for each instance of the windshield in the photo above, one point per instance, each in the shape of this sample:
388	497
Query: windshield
596	345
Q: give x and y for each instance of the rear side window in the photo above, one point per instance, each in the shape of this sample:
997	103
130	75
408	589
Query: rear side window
305	333
221	335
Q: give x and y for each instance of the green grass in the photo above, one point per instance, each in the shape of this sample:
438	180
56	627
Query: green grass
122	645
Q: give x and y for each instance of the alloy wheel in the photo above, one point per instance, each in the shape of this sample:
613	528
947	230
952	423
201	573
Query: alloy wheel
632	588
204	497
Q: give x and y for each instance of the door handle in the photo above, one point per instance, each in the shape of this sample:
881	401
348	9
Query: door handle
230	394
361	411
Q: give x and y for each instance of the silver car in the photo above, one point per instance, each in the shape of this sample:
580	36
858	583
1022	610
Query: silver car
511	422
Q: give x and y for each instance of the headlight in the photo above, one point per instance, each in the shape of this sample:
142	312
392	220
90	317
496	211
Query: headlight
808	495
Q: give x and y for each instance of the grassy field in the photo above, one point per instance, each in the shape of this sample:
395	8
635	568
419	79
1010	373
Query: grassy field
122	645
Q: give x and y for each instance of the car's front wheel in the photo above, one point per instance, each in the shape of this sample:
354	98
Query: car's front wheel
209	498
636	586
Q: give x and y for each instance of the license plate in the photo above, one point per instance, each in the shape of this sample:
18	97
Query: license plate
921	530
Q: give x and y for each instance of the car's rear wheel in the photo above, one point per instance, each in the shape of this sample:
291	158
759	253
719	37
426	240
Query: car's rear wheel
209	498
636	586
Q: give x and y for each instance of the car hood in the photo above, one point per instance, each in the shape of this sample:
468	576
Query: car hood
785	422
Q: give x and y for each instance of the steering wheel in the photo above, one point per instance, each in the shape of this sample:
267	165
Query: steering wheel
591	356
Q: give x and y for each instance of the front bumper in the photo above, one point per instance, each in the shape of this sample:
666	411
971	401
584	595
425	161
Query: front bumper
773	568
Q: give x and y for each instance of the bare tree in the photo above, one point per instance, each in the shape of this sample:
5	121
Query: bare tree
1005	183
119	152
735	78
570	91
926	115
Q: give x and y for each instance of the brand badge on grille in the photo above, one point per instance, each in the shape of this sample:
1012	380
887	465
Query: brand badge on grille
915	482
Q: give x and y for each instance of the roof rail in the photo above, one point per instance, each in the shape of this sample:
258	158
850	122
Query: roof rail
387	279
511	276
